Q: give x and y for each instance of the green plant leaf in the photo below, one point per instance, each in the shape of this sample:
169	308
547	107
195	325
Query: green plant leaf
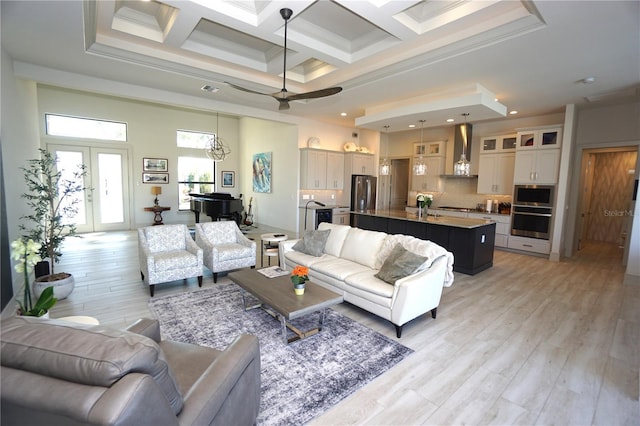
45	302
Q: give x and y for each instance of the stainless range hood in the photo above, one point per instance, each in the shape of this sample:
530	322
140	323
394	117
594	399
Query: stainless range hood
461	144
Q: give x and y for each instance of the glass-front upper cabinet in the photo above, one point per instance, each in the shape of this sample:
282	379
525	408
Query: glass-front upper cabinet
502	143
429	149
539	138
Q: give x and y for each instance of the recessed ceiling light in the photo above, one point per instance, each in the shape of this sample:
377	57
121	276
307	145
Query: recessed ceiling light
450	120
411	126
514	112
209	88
343	114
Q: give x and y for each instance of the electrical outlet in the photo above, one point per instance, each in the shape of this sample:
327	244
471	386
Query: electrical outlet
333	196
313	196
305	196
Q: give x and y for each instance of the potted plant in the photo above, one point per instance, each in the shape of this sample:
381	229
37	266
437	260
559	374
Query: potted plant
299	276
26	252
52	198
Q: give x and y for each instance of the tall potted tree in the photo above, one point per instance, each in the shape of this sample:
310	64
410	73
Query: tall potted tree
52	198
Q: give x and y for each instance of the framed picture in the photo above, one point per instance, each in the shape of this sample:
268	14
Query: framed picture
155	165
228	179
155	177
261	172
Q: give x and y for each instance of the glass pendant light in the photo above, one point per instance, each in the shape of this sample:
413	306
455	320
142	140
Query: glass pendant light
463	167
385	166
419	168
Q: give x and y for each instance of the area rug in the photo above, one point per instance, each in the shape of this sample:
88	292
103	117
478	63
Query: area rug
299	381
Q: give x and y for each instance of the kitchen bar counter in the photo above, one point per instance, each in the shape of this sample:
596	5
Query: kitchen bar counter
470	240
460	222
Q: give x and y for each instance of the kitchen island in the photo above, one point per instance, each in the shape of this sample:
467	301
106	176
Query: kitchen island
470	240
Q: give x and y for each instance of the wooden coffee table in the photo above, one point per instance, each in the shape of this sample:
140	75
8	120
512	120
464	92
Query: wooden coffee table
278	299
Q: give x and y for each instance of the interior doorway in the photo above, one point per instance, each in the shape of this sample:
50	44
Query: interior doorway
605	203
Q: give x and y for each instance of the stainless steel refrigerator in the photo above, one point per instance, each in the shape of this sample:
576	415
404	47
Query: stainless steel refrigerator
363	192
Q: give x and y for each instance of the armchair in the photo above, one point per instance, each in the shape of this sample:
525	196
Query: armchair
60	373
225	247
168	253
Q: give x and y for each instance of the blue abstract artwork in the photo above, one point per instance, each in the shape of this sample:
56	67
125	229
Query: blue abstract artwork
262	172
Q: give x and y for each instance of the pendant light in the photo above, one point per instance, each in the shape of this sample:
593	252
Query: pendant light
419	168
216	149
463	167
385	166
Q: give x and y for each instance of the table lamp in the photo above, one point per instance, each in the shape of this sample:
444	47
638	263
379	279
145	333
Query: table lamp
156	190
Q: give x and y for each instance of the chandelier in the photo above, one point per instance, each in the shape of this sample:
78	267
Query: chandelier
419	168
216	149
385	166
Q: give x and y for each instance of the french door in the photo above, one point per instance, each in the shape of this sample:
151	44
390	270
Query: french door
105	206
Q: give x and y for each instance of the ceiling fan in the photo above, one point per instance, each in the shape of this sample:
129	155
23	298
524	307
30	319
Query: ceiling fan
283	97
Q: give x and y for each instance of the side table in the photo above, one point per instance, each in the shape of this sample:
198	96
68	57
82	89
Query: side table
269	246
157	210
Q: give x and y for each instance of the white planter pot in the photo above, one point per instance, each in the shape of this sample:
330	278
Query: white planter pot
61	288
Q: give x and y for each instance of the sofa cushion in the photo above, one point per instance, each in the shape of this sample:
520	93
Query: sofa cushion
362	246
312	243
174	259
336	237
399	264
366	282
299	258
91	355
338	268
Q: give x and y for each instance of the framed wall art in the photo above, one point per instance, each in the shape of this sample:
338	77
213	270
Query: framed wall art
262	172
155	165
228	179
148	177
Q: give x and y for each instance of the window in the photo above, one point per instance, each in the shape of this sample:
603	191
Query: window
88	128
196	172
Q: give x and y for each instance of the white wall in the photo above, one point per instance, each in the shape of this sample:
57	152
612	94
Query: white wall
151	133
19	142
279	207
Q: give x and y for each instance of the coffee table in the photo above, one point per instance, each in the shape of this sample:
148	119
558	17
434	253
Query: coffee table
278	299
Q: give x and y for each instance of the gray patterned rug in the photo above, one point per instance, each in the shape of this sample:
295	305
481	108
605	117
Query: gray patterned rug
299	381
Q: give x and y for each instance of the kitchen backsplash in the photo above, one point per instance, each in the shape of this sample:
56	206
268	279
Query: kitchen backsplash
460	192
329	197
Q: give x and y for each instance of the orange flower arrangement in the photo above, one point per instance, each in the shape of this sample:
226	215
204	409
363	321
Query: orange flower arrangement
300	274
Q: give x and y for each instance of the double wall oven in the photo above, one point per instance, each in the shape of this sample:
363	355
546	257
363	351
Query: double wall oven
532	211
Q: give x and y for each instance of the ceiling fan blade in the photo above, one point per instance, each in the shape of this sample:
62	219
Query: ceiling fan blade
247	90
315	94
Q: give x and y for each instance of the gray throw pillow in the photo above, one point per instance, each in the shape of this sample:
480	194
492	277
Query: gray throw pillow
313	243
400	263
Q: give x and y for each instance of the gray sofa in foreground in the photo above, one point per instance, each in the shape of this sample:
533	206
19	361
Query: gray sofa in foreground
60	373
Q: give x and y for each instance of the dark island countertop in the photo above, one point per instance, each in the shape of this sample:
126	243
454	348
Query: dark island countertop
460	222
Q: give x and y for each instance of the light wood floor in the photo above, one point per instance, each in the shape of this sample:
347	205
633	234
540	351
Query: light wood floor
526	342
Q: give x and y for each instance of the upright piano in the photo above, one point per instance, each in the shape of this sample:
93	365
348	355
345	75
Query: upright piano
217	205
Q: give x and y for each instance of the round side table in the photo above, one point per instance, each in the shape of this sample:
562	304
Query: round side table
81	319
269	246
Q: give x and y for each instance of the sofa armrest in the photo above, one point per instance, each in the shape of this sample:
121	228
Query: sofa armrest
193	248
146	327
418	293
228	392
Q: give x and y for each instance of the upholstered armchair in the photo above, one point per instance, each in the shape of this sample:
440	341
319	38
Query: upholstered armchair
60	373
225	247
168	253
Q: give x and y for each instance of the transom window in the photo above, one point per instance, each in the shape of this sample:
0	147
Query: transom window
87	128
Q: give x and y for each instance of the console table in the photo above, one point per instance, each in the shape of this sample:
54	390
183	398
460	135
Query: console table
157	211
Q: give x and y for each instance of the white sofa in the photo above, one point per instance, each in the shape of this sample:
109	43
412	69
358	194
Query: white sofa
352	257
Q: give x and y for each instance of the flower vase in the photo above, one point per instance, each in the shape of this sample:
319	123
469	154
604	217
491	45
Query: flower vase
298	285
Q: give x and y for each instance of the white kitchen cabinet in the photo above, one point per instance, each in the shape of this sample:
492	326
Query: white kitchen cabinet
532	245
313	169
321	169
341	216
358	163
501	143
539	138
537	166
425	149
495	173
430	181
335	170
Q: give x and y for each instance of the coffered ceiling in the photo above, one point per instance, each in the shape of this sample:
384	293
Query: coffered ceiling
398	61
